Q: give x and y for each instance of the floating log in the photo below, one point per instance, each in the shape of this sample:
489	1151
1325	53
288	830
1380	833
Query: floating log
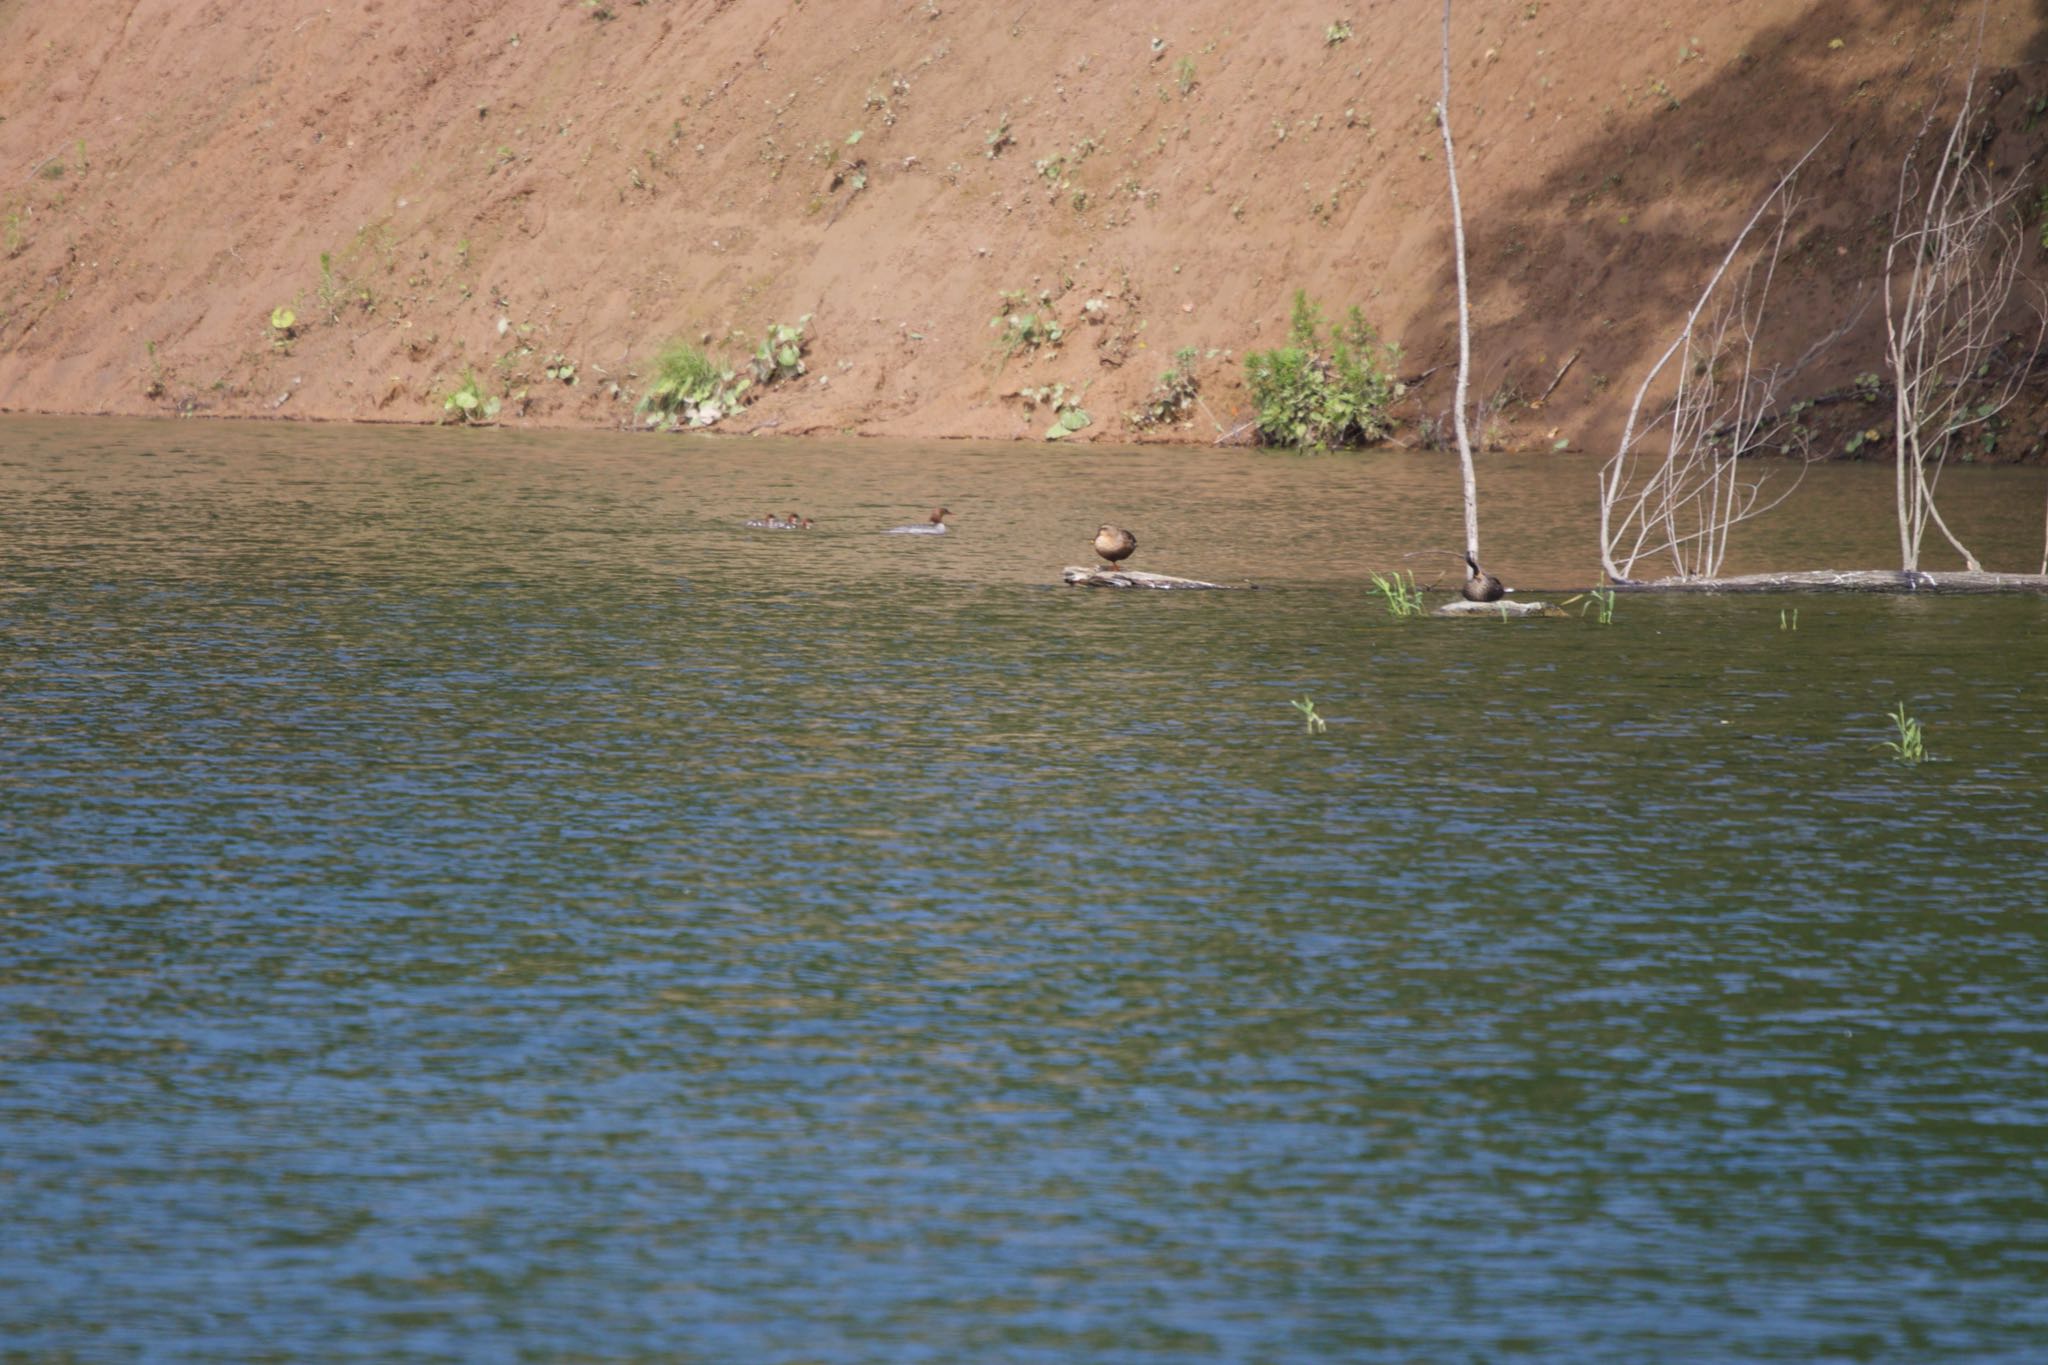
1503	610
1849	580
1088	576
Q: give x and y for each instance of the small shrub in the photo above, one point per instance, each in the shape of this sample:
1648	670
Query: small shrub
1323	391
468	405
1336	33
781	352
1068	414
998	138
1022	326
1174	395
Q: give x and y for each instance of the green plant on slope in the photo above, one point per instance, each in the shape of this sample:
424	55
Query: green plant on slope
1022	327
467	403
1323	389
781	352
1175	393
690	388
1068	414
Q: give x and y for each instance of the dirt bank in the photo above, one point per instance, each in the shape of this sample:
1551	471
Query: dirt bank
501	184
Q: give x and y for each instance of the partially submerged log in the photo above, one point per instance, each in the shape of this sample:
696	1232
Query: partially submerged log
1089	576
1849	580
1503	610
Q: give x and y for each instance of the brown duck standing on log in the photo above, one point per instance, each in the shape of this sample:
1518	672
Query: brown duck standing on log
1114	543
1481	587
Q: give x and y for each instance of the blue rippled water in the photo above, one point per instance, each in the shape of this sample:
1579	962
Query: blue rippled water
467	901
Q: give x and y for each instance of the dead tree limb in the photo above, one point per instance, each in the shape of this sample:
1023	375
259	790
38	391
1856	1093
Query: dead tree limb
1950	273
1687	500
1443	119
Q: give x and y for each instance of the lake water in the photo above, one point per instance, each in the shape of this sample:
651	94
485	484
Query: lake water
464	898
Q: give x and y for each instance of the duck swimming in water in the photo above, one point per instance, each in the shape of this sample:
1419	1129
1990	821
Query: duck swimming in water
934	525
1481	587
1114	543
767	521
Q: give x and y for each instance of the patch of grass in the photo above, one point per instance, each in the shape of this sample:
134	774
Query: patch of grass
1323	390
1599	601
1402	597
1184	75
999	138
692	389
1337	32
1910	745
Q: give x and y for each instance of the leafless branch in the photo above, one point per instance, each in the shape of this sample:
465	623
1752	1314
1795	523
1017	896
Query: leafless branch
1684	502
1950	275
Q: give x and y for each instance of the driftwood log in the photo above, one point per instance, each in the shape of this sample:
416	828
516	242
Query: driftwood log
1503	610
1849	580
1089	576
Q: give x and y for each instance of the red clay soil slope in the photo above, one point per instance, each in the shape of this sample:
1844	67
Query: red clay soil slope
507	186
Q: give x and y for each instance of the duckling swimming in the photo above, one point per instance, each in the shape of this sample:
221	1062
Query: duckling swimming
1481	587
934	525
767	521
1114	543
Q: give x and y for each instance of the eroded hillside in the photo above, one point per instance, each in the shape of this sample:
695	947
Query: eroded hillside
514	186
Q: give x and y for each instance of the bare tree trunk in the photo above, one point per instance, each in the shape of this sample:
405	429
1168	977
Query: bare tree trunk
1443	119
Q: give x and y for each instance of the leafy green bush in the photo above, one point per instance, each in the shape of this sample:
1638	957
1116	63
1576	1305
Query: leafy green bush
1323	390
692	389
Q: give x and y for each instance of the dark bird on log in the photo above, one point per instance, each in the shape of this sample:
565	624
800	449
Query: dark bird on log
1481	587
1114	543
